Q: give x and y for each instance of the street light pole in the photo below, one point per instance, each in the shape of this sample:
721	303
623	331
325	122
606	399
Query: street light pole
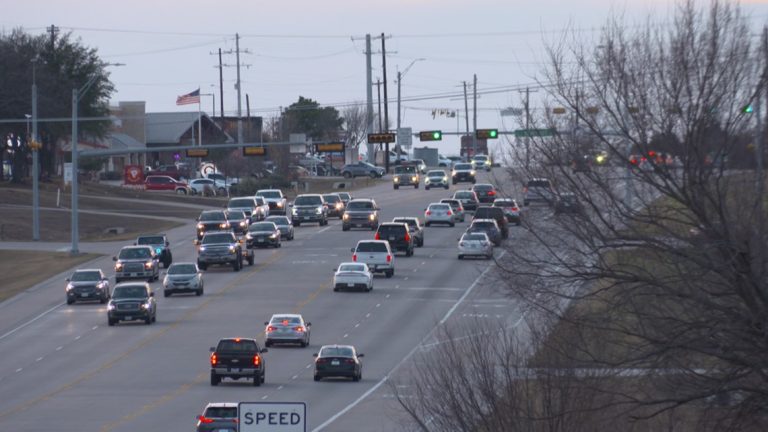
35	160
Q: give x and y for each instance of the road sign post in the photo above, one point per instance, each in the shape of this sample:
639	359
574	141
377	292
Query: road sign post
404	137
272	416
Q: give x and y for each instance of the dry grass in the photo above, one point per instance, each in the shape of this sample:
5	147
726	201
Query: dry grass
24	269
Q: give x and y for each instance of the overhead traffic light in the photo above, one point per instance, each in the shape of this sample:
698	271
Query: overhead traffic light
487	133
434	135
381	138
747	109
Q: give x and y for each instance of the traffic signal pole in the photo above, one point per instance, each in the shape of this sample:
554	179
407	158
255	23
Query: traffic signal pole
474	117
386	101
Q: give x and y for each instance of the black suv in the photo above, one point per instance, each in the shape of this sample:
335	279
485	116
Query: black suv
160	243
238	358
212	220
496	213
309	208
363	213
398	235
414	227
88	284
486	193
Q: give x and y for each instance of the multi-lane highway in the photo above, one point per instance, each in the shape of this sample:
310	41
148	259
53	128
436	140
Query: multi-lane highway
64	369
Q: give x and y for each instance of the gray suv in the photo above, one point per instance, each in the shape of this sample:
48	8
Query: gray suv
538	190
309	208
218	417
137	262
362	213
222	248
362	169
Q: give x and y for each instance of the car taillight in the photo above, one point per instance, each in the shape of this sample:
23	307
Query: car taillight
214	359
271	328
515	209
321	361
354	257
525	189
449	213
407	237
389	258
299	329
204	419
257	360
349	361
491	193
377	237
429	213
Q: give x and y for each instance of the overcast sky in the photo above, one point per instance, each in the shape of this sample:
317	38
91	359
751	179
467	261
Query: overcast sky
316	48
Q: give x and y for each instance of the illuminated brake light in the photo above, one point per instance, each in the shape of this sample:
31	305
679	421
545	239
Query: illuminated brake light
491	193
349	361
407	237
271	328
377	237
429	213
525	189
204	419
515	209
257	360
285	322
389	258
449	213
214	359
299	329
354	257
237	340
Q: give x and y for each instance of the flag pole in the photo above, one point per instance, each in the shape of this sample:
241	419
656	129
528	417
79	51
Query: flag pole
199	119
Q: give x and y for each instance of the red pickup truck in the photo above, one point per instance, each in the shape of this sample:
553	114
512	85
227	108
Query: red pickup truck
165	183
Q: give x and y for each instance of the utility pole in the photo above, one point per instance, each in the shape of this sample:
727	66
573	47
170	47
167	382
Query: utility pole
399	77
466	107
53	30
474	116
378	90
221	89
35	160
526	105
75	225
369	95
386	100
239	99
248	115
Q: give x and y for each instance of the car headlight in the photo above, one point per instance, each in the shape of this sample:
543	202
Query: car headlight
319	210
445	179
453	172
145	305
372	217
118	266
345	216
232	249
414	178
70	286
249	236
273	236
338	205
294	212
397	179
202	248
243	223
472	172
200	226
148	265
280	204
224	225
111	306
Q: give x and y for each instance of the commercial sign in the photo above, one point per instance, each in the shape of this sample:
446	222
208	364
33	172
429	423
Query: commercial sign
254	151
67	173
272	416
334	147
379	138
133	175
197	152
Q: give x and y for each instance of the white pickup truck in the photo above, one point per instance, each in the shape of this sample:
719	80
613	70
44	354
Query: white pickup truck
377	255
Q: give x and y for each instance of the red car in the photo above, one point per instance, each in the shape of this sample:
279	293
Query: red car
165	183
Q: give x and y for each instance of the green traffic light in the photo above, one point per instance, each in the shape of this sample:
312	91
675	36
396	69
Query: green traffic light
437	135
747	109
492	133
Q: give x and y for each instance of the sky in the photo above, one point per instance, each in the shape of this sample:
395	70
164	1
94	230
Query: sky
315	49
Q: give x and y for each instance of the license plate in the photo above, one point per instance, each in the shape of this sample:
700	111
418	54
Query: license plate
305	217
391	239
85	294
260	240
132	274
234	369
128	318
334	362
350	285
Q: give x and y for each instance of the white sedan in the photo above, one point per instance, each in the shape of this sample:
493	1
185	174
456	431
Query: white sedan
199	186
352	275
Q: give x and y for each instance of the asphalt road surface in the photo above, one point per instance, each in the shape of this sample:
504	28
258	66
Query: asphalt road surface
64	369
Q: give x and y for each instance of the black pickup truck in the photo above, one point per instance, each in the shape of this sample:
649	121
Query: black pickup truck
238	358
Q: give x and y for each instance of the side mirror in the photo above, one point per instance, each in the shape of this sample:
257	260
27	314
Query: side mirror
196	242
334	269
263	350
352	250
67	279
114	258
213	349
308	324
152	294
361	355
266	322
314	354
167	243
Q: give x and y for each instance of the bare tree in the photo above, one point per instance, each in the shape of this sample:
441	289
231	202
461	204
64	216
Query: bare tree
356	124
658	285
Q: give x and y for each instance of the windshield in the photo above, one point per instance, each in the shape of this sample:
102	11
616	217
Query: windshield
218	238
474	237
237	345
285	320
236	215
178	269
483	187
352	268
371	247
336	352
439	207
360	205
504	203
435	174
464	195
331	198
481	158
269	194
221	412
130	291
405	169
241	202
308	200
154	240
279	220
409	221
539	183
85	276
262	226
463	166
134	253
345	196
482	225
213	216
451	202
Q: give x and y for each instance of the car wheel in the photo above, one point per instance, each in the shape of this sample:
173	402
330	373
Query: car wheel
489	256
370	288
251	258
181	191
257	380
317	378
236	265
215	380
452	224
356	378
425	188
347	174
446	187
396	187
461	257
297	224
373	175
416	186
69	301
166	293
427	224
103	299
117	280
335	289
303	344
267	344
148	320
203	267
421	243
344	228
389	273
110	322
154	317
199	292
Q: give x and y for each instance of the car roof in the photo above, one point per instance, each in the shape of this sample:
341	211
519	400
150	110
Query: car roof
286	315
222	405
137	247
87	270
483	184
400	218
484	220
268	190
134	283
338	346
373	241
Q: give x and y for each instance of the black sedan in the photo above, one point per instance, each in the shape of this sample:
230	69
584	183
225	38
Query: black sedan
338	361
262	235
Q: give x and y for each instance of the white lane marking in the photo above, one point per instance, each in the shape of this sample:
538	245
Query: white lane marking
346	335
325	229
432	256
308	366
357	325
19	370
368	315
423	262
39	359
280	388
387	296
404	359
405	278
94	327
59	348
378	304
294	377
78	338
31	321
415	270
264	397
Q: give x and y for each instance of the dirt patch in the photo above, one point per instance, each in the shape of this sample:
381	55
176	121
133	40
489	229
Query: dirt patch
24	269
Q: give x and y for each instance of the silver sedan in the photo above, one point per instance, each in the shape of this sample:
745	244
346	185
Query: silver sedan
287	328
284	224
475	244
183	277
439	213
352	275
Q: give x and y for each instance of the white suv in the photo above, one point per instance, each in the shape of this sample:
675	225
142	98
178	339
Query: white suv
377	254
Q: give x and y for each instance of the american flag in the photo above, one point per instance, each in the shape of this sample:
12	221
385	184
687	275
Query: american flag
190	98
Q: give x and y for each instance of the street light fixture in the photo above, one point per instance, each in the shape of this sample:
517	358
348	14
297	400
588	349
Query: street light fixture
399	79
77	94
